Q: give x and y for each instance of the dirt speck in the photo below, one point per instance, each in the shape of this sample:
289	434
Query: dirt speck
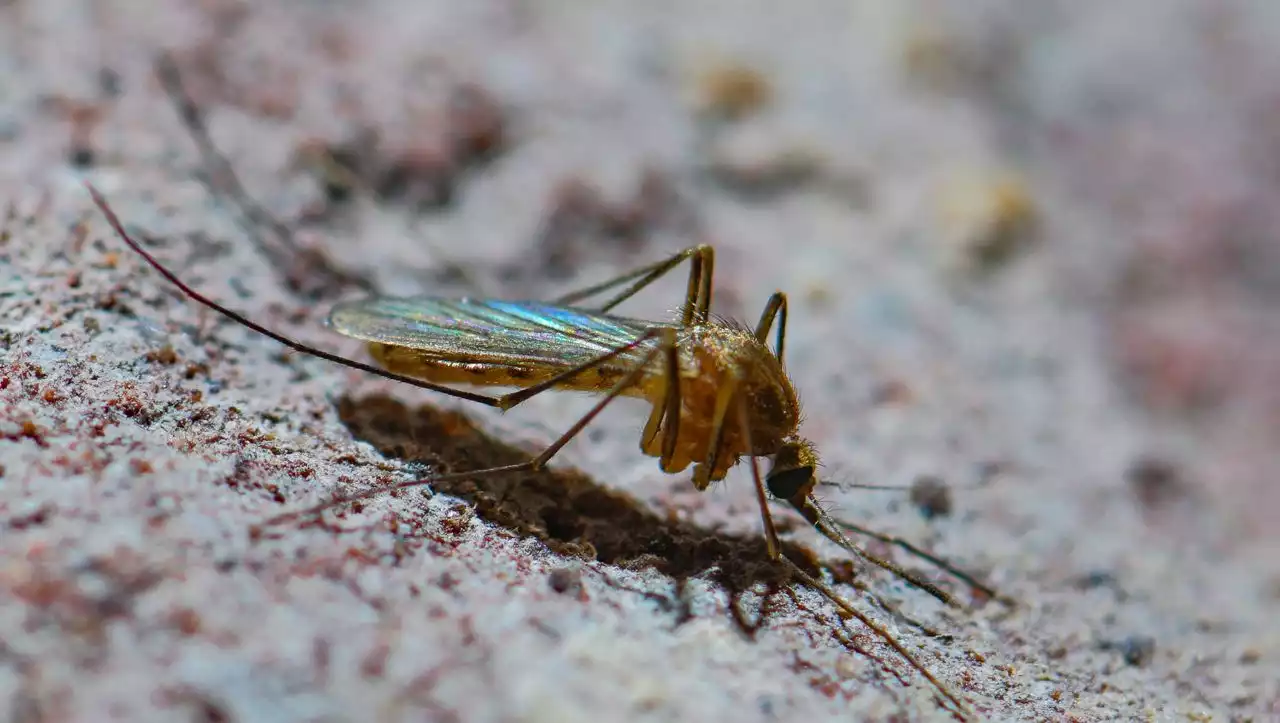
164	355
1155	482
732	90
931	495
566	581
1135	650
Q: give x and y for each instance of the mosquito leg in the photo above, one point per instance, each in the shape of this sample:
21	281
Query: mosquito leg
724	395
697	298
672	407
507	401
896	611
774	549
775	308
939	562
770	532
666	340
697	304
647	275
651	273
702	473
503	402
114	221
881	632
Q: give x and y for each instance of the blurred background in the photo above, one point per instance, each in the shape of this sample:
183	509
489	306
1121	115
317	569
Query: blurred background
1031	247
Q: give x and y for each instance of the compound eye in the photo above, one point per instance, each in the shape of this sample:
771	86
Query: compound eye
787	483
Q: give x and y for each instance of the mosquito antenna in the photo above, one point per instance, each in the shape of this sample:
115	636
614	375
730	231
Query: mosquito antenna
941	563
254	326
826	482
863	486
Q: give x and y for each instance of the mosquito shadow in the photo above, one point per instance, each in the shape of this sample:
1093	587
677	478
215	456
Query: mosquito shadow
565	509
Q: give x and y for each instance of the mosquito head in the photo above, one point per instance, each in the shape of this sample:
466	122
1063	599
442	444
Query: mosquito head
794	472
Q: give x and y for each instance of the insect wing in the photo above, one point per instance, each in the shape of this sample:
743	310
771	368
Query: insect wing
514	333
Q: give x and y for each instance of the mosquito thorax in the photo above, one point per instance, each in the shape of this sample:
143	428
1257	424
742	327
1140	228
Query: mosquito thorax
773	408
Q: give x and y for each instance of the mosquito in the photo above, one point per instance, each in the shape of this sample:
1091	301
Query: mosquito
719	393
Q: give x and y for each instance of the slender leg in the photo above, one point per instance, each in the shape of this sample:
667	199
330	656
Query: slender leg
666	338
507	401
672	408
225	182
719	420
775	553
504	402
942	564
823	523
776	307
881	632
770	532
647	275
651	428
862	587
697	304
658	418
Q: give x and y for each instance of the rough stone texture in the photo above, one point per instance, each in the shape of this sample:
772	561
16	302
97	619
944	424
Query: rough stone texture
1030	249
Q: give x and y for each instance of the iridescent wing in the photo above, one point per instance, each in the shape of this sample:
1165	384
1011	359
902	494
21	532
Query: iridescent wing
524	334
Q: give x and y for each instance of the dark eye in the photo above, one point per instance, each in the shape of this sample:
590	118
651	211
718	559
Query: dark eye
787	483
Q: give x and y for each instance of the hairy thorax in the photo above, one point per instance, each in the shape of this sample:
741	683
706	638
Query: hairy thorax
711	357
